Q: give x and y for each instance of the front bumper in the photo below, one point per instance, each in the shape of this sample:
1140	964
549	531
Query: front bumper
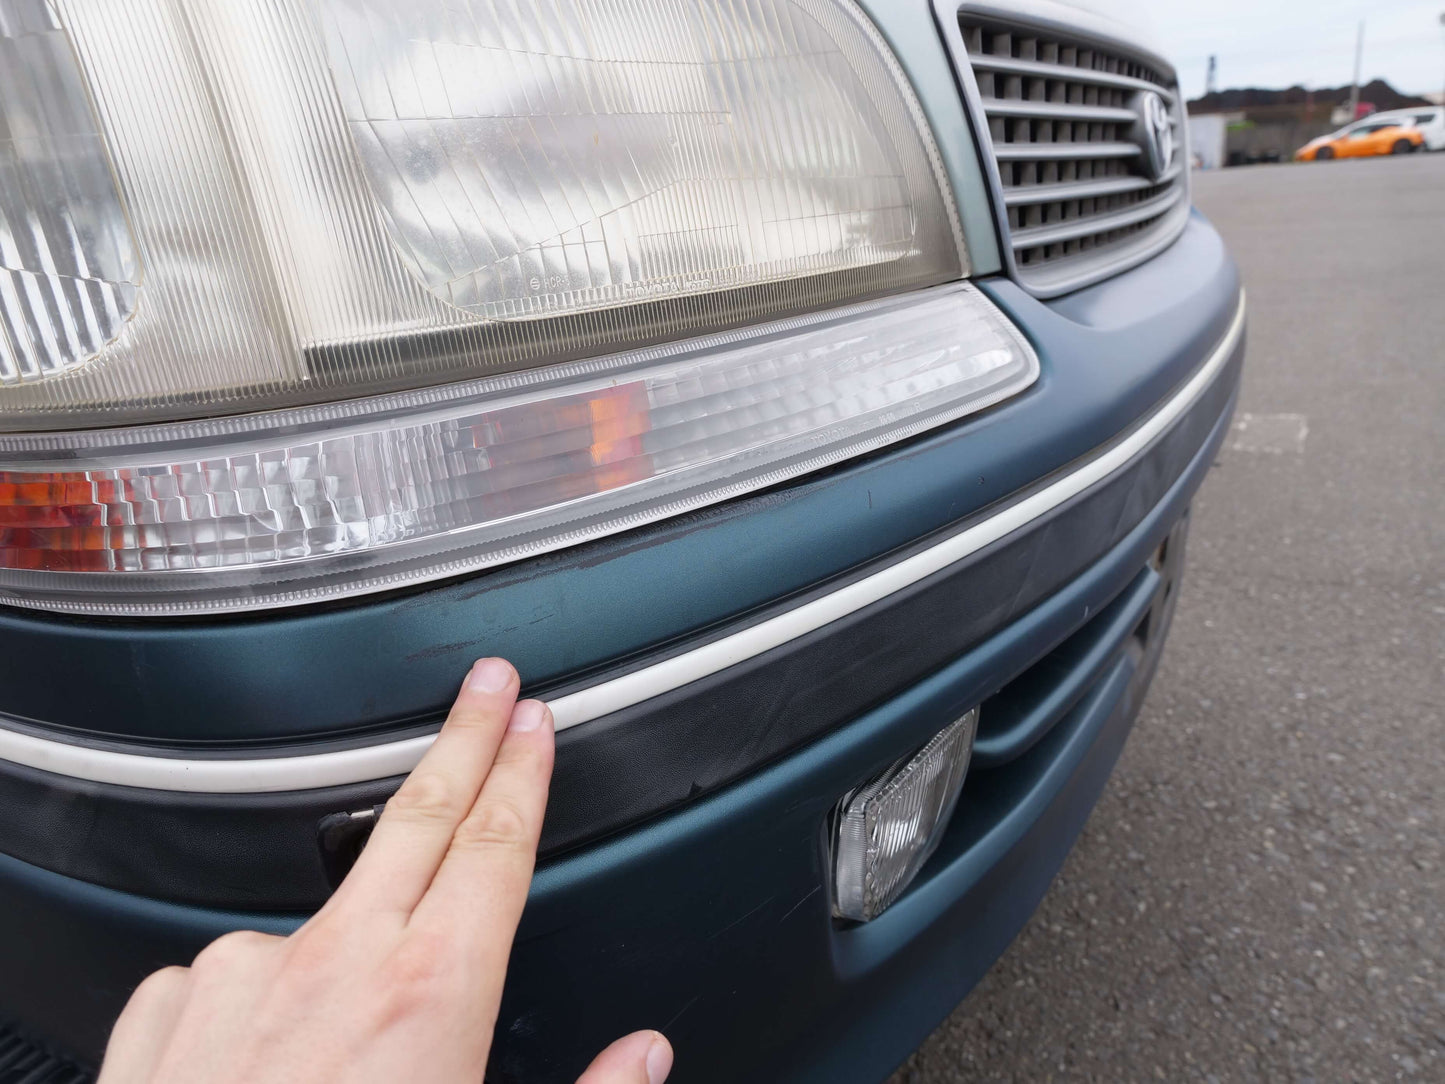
687	887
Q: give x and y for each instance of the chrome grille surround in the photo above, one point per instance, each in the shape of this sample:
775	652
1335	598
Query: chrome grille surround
1059	108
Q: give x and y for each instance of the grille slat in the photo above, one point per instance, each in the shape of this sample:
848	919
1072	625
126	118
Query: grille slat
1039	70
1057	111
1097	222
1035	152
1075	166
1047	193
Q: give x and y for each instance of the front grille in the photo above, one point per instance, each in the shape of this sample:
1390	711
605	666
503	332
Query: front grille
1064	126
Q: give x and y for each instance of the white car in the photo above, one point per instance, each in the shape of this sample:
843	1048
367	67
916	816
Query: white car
1430	120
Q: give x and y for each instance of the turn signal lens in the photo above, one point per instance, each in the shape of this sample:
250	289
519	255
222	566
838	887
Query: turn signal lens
268	510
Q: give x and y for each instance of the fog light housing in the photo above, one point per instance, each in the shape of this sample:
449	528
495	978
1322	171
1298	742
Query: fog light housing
887	828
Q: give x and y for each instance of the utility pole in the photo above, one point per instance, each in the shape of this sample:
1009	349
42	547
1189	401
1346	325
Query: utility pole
1355	86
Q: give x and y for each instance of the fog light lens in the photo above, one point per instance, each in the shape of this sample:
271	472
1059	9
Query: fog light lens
889	827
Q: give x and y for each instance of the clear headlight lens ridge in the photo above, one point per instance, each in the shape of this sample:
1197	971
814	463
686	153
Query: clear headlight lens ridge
624	153
267	510
335	198
69	269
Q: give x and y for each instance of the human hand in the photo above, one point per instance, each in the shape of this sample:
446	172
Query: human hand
399	976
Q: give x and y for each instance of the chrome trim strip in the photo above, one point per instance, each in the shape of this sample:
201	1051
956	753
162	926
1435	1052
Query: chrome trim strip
383	760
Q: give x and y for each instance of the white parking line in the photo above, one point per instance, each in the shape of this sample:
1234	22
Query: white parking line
1273	434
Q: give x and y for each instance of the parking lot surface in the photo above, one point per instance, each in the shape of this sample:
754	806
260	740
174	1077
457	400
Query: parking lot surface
1259	894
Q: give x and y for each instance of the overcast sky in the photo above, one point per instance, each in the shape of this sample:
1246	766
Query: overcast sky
1278	43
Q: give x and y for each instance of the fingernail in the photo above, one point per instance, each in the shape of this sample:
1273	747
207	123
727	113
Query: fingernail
490	675
528	715
659	1060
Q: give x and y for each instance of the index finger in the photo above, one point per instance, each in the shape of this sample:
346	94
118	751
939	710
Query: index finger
413	834
477	895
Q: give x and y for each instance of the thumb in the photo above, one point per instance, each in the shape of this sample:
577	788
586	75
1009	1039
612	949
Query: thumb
644	1057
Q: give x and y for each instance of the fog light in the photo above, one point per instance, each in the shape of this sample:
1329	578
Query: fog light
889	827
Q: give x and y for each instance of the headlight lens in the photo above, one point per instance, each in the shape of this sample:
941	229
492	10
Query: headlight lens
617	153
344	197
438	243
68	263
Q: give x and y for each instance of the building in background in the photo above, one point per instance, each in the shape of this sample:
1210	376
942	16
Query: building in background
1207	132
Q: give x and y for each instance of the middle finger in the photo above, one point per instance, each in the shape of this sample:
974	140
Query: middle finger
413	834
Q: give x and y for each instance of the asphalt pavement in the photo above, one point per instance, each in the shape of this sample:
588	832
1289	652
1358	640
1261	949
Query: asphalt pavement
1260	893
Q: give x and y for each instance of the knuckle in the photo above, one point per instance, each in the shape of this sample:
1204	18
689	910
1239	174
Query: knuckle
230	951
494	823
148	1004
160	984
424	796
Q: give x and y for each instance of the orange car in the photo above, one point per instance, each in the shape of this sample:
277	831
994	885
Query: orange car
1363	139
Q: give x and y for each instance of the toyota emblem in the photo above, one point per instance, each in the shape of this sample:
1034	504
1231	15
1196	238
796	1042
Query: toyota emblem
1157	134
